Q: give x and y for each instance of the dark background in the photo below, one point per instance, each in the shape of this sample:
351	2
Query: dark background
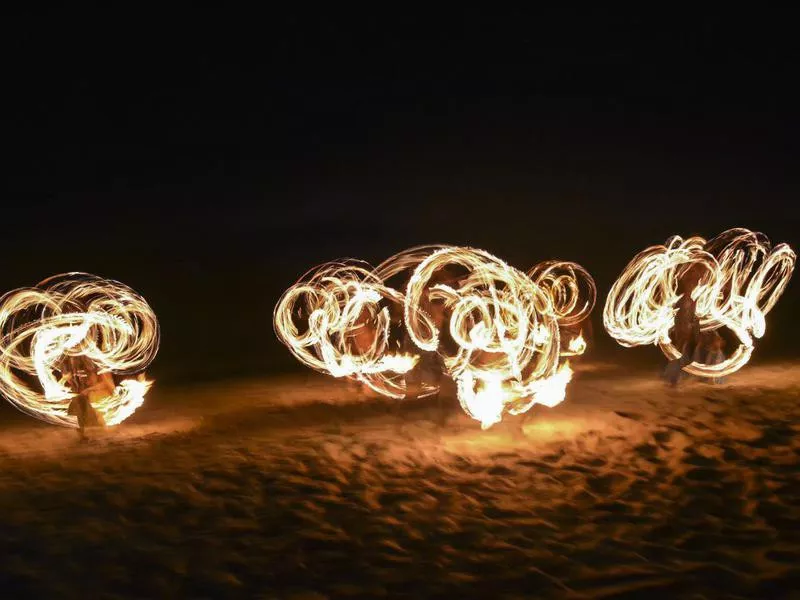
208	161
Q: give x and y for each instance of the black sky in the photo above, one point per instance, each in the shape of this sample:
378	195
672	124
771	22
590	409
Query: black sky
208	160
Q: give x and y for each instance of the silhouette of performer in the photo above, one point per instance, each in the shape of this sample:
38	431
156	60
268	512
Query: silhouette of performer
82	376
685	333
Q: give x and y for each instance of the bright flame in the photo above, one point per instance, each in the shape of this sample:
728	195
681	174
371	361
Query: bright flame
742	279
346	313
68	316
497	328
504	327
553	390
486	399
576	346
395	363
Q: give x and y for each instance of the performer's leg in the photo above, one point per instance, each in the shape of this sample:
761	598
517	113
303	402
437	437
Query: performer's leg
673	372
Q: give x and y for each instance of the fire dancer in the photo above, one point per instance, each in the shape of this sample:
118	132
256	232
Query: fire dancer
88	386
430	368
362	340
686	330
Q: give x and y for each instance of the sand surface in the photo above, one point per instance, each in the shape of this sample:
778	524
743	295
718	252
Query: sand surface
298	488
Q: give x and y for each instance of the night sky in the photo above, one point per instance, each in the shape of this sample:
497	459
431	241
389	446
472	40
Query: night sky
208	162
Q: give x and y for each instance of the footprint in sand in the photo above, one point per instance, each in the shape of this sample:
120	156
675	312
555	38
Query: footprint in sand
604	484
714	400
648	451
553	458
500	470
774	433
536	464
630	415
703	474
662	436
698	460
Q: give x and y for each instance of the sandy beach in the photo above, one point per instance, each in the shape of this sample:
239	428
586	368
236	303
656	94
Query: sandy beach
297	487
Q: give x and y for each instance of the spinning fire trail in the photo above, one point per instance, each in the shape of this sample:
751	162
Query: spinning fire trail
498	330
742	277
348	316
68	316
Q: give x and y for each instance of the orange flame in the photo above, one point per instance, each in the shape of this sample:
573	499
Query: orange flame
72	315
742	279
502	326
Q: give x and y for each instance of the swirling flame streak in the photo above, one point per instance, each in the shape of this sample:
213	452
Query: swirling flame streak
503	324
344	305
505	328
742	279
69	315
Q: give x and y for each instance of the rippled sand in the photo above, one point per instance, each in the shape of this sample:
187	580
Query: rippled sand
297	488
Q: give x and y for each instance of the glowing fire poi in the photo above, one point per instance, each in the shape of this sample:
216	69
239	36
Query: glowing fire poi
505	328
75	315
743	277
503	343
573	294
345	308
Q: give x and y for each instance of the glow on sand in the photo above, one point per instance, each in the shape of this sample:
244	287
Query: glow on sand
742	277
497	329
75	315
